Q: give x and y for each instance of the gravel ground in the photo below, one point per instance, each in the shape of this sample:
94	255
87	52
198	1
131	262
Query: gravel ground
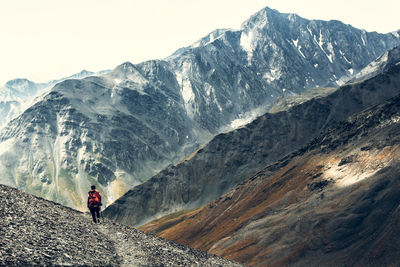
139	249
37	232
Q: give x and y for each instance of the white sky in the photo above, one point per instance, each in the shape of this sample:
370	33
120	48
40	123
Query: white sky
49	39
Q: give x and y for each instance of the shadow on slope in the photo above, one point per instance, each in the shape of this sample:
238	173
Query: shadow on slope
335	202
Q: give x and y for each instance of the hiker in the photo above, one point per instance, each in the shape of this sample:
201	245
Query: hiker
94	203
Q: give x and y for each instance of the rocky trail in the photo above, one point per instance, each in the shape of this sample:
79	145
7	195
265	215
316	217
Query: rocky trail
37	232
136	248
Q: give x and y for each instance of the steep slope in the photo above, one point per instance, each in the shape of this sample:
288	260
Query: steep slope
335	202
121	128
38	232
232	157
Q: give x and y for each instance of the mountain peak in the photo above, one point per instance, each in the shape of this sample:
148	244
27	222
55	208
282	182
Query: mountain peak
263	17
126	66
18	82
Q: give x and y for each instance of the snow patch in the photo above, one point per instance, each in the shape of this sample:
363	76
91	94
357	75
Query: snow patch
6	145
344	56
246	42
186	88
363	38
320	43
187	91
330	58
309	30
296	44
274	74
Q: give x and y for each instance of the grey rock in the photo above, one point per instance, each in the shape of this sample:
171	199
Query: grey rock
35	232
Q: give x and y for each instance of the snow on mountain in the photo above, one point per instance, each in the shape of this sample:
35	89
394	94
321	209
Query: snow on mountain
118	129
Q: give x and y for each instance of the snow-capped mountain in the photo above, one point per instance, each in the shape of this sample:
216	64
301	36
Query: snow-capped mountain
119	129
18	94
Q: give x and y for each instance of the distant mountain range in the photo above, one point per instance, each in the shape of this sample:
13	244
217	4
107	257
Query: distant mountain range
119	129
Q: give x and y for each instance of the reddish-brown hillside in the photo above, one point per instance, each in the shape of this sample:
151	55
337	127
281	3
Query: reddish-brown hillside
335	202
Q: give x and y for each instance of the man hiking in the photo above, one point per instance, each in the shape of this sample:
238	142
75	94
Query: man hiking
94	203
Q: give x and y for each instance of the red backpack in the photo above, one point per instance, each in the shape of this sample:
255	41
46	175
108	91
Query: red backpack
94	199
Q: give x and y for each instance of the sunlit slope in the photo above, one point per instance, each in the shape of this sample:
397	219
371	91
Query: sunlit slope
334	202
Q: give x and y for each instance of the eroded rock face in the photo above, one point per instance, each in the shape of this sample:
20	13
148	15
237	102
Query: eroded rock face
334	202
35	232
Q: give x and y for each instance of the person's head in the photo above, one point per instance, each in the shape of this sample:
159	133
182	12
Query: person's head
93	187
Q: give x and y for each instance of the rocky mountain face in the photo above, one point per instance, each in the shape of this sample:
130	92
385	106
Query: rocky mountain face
334	202
272	55
230	158
18	94
37	232
119	129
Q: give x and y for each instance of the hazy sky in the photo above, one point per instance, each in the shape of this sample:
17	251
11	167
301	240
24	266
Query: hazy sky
48	39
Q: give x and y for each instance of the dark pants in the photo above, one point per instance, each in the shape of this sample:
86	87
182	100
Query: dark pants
95	211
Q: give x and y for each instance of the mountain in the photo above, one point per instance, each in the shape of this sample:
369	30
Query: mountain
232	157
334	202
119	129
37	232
18	94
